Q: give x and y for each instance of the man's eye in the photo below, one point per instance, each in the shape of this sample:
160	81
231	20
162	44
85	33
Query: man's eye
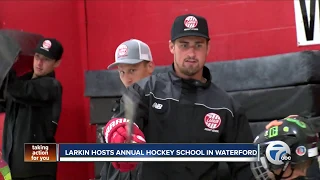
121	72
184	45
132	70
199	45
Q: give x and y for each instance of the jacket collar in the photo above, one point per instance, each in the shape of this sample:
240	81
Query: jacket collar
191	82
29	75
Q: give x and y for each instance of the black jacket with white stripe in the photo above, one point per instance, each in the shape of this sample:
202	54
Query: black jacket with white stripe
175	110
33	107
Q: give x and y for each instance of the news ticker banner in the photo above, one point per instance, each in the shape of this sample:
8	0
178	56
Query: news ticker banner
141	152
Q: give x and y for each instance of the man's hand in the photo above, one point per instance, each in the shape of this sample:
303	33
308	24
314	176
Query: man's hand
116	132
278	123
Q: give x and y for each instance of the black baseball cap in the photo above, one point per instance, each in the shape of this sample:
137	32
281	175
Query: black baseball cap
189	25
50	48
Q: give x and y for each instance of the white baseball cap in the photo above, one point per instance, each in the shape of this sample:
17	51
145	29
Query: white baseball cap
132	51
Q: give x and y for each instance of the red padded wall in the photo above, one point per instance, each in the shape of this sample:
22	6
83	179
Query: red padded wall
239	29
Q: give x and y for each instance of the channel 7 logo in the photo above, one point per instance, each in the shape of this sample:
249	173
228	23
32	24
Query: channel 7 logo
278	152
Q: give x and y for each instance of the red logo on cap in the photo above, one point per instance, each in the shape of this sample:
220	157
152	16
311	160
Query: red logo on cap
191	22
122	50
46	44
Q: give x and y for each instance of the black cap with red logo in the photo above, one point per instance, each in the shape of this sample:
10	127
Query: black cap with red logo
50	48
189	25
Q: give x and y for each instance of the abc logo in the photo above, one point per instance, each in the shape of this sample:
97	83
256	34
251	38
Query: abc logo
277	152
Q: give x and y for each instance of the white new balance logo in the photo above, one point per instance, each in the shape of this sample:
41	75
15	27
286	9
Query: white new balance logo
157	106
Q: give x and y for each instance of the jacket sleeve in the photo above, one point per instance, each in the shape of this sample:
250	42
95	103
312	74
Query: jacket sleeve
35	91
2	100
137	95
2	107
238	130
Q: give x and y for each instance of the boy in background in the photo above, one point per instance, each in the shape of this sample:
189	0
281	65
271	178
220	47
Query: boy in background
134	61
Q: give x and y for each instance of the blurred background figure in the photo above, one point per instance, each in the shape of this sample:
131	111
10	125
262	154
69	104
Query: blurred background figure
31	99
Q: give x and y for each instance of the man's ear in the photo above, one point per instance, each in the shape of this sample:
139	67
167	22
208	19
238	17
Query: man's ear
151	67
171	46
209	47
57	63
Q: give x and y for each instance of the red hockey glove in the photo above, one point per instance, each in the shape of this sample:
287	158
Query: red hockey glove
116	132
124	166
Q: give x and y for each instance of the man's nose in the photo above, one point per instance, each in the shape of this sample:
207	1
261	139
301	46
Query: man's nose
128	77
192	53
40	62
129	81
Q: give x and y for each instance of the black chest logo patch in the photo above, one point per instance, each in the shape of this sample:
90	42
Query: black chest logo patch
160	106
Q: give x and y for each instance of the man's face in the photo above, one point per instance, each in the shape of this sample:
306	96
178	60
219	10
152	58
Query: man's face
131	73
190	54
43	65
299	170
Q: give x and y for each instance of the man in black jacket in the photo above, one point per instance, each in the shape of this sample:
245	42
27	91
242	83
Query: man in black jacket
134	61
183	106
33	106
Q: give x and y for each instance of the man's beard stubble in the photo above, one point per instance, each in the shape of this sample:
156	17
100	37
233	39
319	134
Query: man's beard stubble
188	71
